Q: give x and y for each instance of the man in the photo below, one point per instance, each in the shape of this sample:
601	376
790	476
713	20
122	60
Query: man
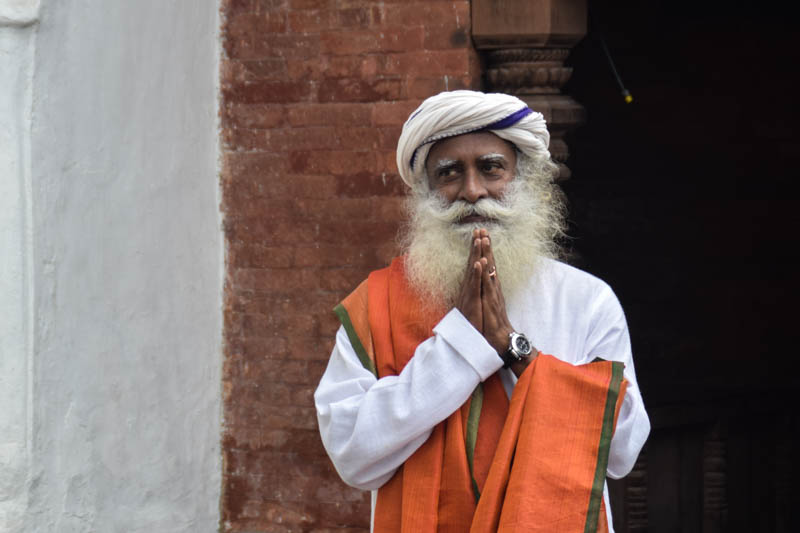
414	404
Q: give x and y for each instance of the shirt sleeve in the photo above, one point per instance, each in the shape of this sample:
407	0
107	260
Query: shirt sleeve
370	426
609	340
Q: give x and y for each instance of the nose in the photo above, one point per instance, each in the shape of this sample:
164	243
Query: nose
472	187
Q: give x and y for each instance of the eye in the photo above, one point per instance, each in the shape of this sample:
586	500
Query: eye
446	174
491	167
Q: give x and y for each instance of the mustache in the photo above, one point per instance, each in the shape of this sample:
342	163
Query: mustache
489	208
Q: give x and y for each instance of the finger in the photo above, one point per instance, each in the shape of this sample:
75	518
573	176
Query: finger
486	249
485	271
476	287
474	249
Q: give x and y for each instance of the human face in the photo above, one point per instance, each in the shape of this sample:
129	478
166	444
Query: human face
470	167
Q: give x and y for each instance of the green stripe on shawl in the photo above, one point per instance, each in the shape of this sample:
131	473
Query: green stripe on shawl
344	318
472	433
607	432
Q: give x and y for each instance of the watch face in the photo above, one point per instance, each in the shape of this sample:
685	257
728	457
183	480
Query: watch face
522	345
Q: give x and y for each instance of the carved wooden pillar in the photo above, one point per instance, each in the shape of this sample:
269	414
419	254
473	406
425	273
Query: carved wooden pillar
524	44
715	505
636	496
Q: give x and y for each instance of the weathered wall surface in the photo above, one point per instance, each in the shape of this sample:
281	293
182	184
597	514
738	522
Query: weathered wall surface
17	39
314	93
113	419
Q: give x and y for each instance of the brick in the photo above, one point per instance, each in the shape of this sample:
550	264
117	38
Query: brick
310	186
387	137
390	208
393	113
248	193
237	6
278	280
231	366
446	38
334	162
309	4
329	322
346	513
341	279
365	184
425	14
231	324
310	20
401	39
388	162
351	66
305	70
288	45
279	440
310	138
243	139
339	530
357	17
324	210
234	494
260	302
285	187
266	208
292	484
242	71
255	413
326	114
355	233
268	91
317	349
299	465
244	164
426	63
319	255
278	381
271	231
238	48
357	90
319	138
245	24
277	186
254	255
256	116
276	324
386	251
421	88
278	517
256	348
337	42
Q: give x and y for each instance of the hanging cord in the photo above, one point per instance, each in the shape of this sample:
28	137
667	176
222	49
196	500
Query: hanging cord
625	93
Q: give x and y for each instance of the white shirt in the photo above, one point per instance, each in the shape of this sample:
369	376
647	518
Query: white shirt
371	426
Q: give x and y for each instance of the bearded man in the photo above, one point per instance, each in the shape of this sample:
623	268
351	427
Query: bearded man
435	397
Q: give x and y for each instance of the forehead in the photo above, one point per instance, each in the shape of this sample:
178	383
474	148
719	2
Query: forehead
470	146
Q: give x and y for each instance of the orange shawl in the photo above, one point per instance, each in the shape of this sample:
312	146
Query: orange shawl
538	464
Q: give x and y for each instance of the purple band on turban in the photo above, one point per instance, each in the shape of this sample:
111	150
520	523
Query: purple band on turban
510	120
503	123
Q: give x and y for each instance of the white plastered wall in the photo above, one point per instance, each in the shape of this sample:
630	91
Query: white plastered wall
111	257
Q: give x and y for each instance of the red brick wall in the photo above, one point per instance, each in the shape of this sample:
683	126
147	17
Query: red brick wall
314	93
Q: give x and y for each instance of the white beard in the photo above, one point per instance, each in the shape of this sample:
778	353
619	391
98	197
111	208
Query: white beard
523	228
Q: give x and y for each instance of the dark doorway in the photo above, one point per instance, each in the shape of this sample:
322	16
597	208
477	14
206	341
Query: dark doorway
684	202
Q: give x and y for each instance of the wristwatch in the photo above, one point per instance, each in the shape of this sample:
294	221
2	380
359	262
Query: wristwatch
519	349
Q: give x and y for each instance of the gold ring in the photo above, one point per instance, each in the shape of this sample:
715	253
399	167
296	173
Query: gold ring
493	272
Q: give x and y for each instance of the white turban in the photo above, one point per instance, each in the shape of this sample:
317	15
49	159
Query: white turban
457	112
